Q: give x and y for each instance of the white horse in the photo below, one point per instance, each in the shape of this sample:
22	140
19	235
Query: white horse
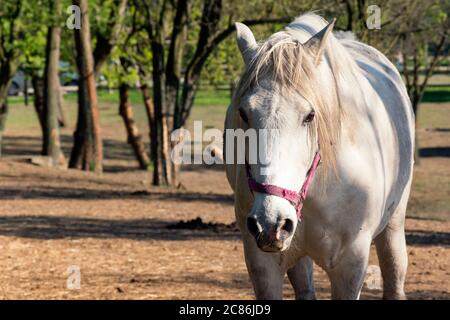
345	100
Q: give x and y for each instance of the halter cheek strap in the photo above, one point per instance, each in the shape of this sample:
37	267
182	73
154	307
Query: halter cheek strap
295	198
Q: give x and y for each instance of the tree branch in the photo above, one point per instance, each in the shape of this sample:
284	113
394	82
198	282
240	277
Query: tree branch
197	61
105	44
433	64
179	24
203	51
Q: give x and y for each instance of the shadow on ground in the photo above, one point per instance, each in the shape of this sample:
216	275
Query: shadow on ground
422	237
113	150
32	146
240	281
58	227
61	227
434	152
48	192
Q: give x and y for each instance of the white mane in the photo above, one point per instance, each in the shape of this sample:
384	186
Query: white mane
282	58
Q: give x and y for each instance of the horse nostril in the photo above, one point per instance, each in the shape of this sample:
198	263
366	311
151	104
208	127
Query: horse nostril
288	226
252	226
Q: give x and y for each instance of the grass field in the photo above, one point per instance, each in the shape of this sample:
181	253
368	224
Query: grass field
436	93
203	97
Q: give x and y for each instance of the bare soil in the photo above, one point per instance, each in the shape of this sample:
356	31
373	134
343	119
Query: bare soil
127	240
114	228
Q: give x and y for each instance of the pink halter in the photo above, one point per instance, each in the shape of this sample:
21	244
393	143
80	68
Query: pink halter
295	198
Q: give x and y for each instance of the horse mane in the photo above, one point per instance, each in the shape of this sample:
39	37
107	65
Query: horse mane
283	59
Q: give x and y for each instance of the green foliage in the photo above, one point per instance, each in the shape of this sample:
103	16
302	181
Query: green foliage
225	64
100	15
32	58
116	74
21	26
29	31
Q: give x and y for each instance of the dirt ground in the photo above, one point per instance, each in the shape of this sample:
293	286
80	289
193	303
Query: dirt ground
114	229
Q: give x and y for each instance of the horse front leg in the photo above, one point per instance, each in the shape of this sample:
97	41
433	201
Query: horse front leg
302	279
347	276
265	272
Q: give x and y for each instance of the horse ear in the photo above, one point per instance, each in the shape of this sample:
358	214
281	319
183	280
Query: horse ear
318	42
246	42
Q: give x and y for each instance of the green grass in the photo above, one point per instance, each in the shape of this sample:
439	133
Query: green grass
209	107
437	94
213	98
203	97
210	97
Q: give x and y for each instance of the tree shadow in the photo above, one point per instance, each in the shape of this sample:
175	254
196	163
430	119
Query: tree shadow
411	295
28	145
113	149
441	129
434	152
60	227
39	192
428	295
203	167
235	281
241	281
422	237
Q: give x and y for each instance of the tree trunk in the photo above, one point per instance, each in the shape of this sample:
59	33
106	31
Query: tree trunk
415	105
134	136
62	118
161	165
172	100
25	89
82	137
87	152
7	71
52	143
165	150
150	110
3	115
38	89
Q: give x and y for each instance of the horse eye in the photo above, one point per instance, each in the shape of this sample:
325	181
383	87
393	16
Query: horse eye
309	117
243	115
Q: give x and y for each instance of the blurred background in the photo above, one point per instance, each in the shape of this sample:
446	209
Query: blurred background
89	93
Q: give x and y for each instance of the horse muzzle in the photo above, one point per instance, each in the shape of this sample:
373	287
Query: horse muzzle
271	237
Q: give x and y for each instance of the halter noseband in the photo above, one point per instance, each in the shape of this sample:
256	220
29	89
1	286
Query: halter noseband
295	198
